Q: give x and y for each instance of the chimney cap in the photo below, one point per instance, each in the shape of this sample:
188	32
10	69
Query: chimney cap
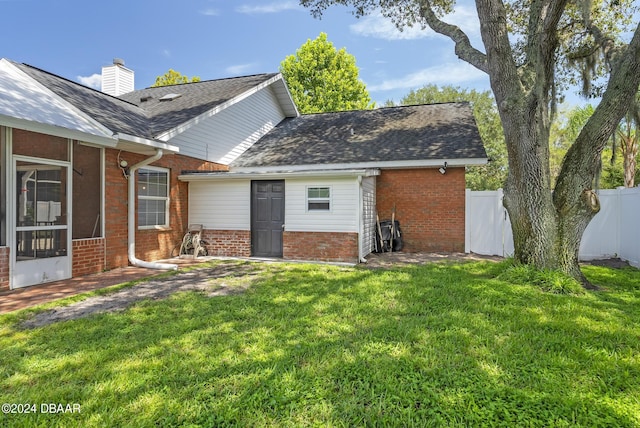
118	61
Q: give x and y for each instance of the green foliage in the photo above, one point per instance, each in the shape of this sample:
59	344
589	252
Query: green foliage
547	280
310	345
581	59
487	177
324	79
612	175
584	61
565	130
173	77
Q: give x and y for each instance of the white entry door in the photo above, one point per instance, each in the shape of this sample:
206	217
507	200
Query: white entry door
42	243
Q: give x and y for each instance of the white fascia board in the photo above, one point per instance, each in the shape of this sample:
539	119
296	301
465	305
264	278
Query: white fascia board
284	95
146	142
58	131
168	135
25	97
436	163
278	175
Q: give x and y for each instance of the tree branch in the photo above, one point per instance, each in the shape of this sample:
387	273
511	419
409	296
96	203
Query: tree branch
463	48
581	161
546	39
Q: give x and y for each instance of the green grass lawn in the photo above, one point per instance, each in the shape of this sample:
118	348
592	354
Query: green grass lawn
316	345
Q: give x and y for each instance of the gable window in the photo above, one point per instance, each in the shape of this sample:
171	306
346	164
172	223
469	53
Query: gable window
153	197
318	198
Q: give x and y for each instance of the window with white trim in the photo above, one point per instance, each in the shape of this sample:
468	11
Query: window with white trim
318	198
153	197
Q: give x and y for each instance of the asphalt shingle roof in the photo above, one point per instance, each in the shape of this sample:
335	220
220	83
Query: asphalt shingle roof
147	119
409	133
113	113
421	132
194	100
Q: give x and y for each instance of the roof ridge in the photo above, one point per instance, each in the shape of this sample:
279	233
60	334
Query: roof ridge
211	80
74	82
385	108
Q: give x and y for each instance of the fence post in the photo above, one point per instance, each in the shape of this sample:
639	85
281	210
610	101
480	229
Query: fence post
467	226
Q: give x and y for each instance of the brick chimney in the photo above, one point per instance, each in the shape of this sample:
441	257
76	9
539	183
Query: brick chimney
116	78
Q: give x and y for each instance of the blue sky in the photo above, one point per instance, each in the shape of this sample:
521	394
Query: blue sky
222	38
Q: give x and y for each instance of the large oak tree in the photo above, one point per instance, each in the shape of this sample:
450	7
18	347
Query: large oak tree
528	49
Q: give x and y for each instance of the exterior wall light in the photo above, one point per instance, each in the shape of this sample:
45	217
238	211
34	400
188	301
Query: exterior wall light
443	168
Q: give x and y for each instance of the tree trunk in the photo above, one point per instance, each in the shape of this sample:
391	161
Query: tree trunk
547	226
630	153
528	198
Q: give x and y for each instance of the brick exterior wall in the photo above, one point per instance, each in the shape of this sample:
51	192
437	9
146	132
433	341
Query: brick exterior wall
429	206
4	268
109	252
151	244
228	243
324	246
88	256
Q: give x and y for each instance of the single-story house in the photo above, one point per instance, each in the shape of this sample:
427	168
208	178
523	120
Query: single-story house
94	180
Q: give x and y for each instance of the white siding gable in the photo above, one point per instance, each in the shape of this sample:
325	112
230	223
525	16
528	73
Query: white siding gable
225	135
221	205
368	232
344	212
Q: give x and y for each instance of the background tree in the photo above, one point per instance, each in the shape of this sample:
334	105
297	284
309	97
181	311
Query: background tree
618	169
564	130
527	46
487	177
626	137
324	79
173	77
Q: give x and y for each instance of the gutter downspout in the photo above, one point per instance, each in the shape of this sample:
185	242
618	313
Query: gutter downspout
131	218
360	219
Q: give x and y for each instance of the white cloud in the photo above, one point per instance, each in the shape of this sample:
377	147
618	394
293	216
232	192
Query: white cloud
210	12
467	19
269	8
94	81
240	69
445	74
380	27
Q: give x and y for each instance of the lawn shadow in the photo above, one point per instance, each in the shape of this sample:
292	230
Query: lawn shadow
441	344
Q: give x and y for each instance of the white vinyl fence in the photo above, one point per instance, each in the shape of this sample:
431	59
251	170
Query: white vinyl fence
613	232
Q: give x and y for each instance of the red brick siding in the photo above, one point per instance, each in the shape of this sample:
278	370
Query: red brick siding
44	146
429	206
4	268
228	243
324	246
150	244
112	248
88	256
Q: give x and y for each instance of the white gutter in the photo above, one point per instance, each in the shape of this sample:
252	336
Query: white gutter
359	220
131	235
399	164
146	142
232	175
